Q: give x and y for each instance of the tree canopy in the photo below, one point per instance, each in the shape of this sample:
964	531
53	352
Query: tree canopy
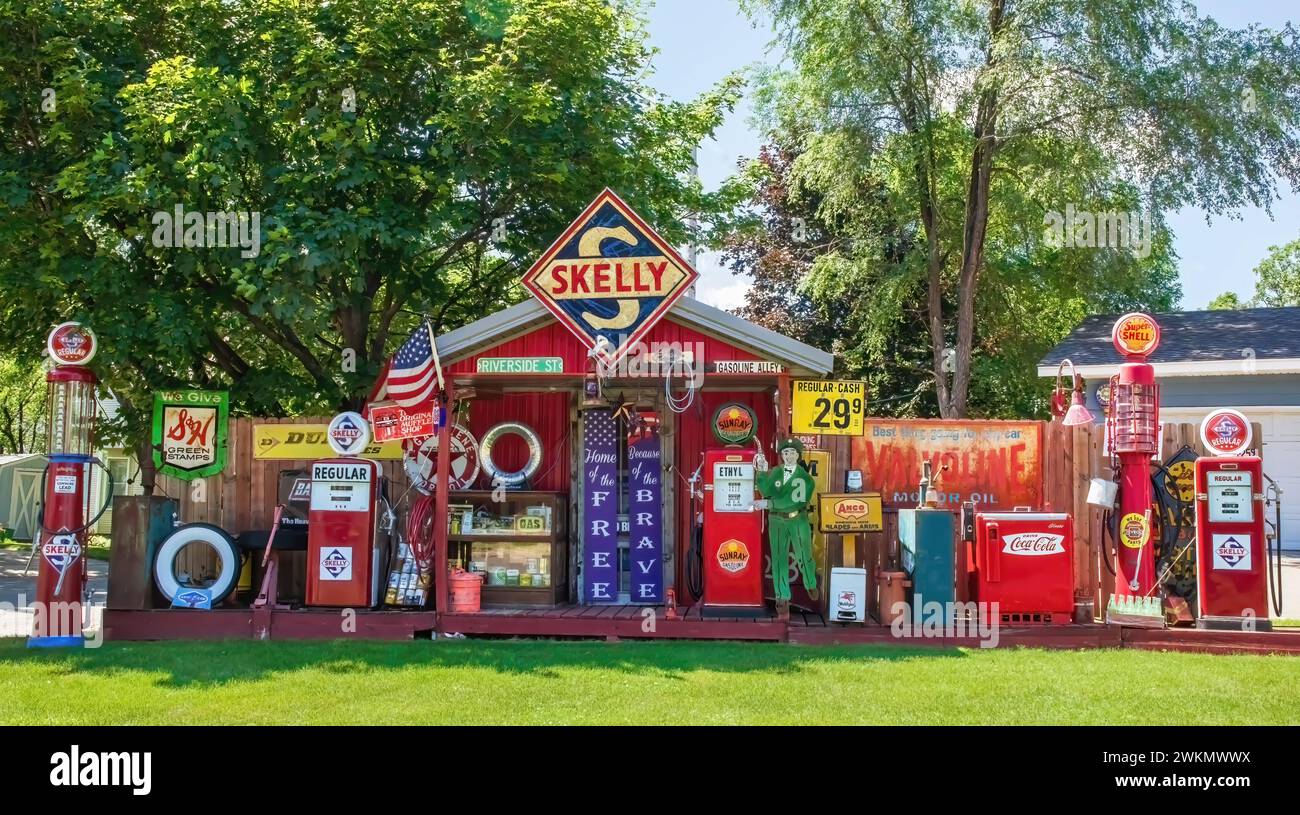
400	159
971	152
1277	281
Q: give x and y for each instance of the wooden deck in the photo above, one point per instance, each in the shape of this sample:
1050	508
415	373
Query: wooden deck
647	622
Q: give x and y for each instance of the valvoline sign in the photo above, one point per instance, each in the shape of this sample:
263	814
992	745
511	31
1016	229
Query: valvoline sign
609	278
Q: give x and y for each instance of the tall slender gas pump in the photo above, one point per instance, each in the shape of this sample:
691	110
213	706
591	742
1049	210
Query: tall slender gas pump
62	526
1133	427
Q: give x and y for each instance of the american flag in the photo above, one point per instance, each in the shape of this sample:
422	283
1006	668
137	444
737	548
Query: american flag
412	376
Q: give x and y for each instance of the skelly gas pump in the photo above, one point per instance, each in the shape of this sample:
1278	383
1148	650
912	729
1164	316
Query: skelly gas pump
1133	430
65	493
347	535
1237	565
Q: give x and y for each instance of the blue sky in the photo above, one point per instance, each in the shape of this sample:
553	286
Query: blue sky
701	41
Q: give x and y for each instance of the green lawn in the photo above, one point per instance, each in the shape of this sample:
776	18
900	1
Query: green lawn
97	549
539	682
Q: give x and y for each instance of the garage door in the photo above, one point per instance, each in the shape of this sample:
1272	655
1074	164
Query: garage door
1281	430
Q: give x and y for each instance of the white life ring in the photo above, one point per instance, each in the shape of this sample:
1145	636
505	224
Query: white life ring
529	469
164	562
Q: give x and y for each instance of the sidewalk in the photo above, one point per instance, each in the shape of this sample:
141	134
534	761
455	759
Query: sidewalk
17	591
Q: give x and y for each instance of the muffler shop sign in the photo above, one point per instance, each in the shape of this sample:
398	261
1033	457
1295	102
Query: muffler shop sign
995	464
392	422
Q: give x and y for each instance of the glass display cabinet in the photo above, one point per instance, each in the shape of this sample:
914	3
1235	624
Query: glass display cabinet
518	545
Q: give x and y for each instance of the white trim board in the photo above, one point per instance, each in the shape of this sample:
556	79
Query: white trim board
1214	367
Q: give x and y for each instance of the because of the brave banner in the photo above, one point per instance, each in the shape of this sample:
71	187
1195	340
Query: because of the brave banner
645	516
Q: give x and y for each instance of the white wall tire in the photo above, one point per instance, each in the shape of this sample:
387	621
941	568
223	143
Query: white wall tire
164	564
518	477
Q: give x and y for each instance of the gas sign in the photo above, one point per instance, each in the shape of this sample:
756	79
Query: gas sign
71	344
852	512
609	278
995	464
1135	335
734	423
348	433
828	408
1226	432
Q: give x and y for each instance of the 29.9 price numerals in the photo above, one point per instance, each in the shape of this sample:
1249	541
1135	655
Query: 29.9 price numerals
836	413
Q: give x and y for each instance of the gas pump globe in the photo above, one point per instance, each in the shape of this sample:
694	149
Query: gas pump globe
1133	427
70	435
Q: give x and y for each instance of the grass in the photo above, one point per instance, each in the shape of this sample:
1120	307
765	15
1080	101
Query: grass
544	682
97	549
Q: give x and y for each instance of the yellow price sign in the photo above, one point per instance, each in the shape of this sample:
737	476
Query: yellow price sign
828	408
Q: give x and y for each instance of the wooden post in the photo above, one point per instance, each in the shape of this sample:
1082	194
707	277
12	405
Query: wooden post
782	406
441	492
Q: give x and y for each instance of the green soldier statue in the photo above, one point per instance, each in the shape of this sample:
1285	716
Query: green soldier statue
787	491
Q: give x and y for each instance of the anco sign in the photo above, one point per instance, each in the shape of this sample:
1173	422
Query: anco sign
609	278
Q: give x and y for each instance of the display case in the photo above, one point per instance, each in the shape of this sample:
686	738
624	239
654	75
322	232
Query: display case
519	545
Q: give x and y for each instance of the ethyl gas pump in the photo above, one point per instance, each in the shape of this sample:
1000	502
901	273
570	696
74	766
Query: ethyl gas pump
62	522
346	546
1133	429
733	528
1233	560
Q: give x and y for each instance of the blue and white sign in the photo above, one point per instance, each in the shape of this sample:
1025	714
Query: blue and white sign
348	434
1232	553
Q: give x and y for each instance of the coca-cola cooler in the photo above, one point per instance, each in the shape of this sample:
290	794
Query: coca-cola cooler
1023	561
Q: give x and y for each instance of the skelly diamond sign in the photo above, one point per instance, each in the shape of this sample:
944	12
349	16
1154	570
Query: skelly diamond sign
609	278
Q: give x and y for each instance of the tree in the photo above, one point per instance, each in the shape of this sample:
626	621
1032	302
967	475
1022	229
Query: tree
949	107
1227	302
22	407
1277	276
365	163
850	285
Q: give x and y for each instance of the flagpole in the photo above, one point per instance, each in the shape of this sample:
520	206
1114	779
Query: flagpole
433	346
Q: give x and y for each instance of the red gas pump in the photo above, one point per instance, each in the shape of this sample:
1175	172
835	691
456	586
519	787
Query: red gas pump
732	543
61	535
345	543
1233	560
733	535
1133	427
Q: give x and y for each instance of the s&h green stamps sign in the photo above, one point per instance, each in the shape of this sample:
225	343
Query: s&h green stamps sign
189	432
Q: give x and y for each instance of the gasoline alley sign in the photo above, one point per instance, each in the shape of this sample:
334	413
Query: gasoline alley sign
609	278
189	432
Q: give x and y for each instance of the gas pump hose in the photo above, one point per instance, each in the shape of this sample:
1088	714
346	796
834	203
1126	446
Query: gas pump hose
1274	564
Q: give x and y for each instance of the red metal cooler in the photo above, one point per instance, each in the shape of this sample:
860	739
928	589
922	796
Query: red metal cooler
1023	561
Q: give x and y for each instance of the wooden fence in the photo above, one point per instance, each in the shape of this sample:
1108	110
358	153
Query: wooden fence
244	496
